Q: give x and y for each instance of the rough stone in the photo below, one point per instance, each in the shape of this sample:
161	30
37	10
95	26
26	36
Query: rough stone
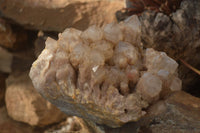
5	60
177	35
7	125
7	38
180	112
12	38
102	77
26	105
57	15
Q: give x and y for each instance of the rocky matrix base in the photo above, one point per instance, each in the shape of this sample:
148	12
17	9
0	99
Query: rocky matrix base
104	74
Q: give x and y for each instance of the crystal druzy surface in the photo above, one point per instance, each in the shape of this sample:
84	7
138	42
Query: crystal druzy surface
103	74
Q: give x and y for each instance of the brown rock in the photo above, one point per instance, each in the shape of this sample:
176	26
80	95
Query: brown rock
5	60
12	38
57	15
7	38
7	125
26	105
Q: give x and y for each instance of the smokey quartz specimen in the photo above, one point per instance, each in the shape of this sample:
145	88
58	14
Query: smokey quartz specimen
104	74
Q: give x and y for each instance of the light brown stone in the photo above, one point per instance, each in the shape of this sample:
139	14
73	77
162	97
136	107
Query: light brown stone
57	15
7	125
26	105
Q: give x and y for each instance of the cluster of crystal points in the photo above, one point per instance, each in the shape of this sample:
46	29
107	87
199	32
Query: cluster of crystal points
104	74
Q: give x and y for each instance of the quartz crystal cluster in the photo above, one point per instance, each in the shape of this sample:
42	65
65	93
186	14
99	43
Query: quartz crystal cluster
104	74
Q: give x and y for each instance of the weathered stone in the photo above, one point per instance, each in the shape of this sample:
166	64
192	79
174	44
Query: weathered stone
26	105
7	125
12	38
178	113
7	38
177	35
99	74
57	15
5	60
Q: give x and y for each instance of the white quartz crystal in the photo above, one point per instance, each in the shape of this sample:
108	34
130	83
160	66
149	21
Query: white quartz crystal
157	61
125	53
149	86
113	33
103	74
132	29
92	34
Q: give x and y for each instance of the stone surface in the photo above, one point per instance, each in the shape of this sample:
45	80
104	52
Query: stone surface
100	74
7	38
57	15
177	35
7	125
180	112
5	60
12	38
26	105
